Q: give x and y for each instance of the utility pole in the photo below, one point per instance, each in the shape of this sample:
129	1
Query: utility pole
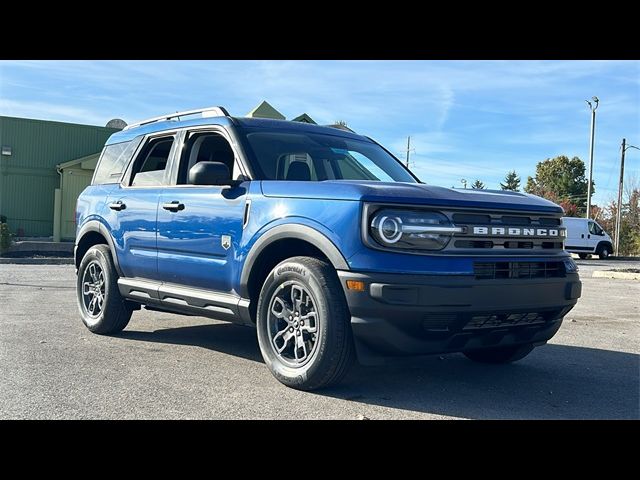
625	147
619	211
593	131
408	149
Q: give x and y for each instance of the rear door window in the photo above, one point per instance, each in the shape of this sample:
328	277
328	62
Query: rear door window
150	165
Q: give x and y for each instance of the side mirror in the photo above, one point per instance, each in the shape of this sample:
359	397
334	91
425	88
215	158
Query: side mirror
210	173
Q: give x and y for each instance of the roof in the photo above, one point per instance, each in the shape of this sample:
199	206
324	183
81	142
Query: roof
239	122
265	110
55	122
88	162
303	117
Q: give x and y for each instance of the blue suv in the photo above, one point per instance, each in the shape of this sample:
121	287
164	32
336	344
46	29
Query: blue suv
319	238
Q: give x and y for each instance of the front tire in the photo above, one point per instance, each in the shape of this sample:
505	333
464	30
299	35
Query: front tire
500	354
102	309
303	324
604	252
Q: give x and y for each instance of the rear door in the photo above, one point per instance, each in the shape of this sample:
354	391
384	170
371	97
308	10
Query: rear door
200	226
135	206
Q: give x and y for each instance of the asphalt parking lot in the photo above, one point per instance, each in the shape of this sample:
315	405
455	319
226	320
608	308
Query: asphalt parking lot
169	366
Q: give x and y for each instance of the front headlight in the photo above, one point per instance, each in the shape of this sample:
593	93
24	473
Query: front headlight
408	229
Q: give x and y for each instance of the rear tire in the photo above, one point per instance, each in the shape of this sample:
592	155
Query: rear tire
583	256
304	324
102	309
500	354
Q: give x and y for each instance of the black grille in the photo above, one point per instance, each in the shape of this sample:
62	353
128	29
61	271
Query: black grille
480	219
473	244
518	270
518	244
439	322
471	218
504	319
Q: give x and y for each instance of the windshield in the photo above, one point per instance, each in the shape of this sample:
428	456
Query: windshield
316	157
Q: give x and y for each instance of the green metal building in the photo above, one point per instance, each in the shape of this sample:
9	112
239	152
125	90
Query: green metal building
43	165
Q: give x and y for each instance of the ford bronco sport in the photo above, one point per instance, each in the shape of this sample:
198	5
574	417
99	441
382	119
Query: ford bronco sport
319	238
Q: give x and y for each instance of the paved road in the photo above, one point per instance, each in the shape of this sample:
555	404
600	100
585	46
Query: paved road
588	266
167	366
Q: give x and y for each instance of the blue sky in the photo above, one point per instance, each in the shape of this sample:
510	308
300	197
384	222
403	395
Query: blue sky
467	119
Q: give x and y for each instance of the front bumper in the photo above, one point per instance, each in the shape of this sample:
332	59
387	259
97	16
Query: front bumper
400	314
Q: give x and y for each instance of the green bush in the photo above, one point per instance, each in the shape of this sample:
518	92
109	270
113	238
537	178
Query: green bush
5	237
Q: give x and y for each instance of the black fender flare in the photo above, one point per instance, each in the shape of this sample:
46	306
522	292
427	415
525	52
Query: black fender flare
297	231
98	227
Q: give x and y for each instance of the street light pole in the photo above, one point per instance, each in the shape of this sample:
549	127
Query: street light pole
593	131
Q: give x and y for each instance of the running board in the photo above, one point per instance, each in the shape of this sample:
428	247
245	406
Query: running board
187	300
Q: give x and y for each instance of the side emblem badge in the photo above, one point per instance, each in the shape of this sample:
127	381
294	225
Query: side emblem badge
226	241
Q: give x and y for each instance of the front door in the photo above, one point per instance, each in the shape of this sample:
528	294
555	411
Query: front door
199	226
594	236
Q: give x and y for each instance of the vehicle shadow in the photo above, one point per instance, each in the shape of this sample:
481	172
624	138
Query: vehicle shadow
554	381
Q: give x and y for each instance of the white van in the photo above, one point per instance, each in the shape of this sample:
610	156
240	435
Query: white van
585	236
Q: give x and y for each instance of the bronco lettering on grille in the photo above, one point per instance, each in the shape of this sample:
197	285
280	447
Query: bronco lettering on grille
517	231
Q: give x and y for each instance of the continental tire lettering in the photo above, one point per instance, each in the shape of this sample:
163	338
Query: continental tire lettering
290	268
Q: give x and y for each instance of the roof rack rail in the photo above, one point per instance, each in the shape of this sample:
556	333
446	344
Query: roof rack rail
340	127
206	112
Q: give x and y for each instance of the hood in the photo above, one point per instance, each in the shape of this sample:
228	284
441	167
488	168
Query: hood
408	193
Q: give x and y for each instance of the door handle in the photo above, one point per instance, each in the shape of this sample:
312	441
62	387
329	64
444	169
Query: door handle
582	236
117	206
589	236
174	206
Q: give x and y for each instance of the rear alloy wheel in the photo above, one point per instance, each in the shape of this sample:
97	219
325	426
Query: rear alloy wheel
303	323
500	354
102	308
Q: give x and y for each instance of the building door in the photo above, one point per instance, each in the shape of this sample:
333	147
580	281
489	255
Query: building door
74	181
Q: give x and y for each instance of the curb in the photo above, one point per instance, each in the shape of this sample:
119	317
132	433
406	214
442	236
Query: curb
619	275
37	261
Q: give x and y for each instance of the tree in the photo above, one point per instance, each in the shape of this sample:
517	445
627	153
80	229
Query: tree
561	179
478	185
511	182
630	216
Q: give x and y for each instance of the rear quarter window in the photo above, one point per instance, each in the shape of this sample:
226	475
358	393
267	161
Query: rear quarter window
114	160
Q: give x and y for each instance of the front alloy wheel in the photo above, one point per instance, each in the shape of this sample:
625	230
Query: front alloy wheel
293	325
